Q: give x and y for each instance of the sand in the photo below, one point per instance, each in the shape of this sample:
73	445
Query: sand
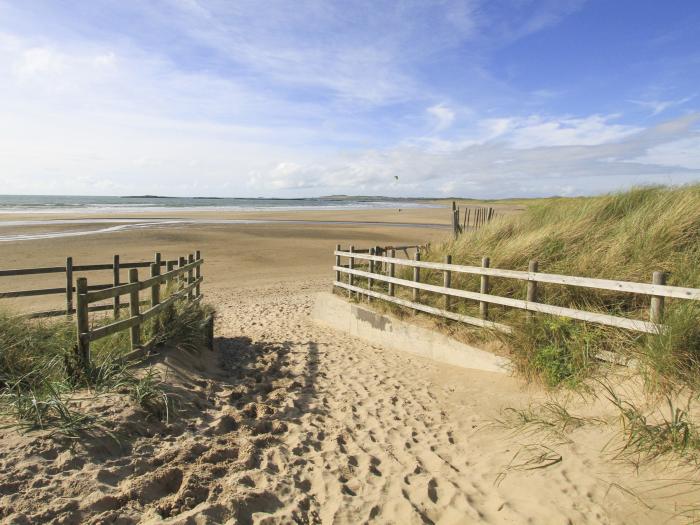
236	255
288	421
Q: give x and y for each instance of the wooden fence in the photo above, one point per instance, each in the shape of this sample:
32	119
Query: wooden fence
68	289
657	290
188	275
473	218
185	273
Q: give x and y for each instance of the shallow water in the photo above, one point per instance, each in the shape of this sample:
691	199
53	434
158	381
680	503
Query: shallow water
98	226
13	204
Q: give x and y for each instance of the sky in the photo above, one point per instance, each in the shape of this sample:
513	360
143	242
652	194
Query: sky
295	98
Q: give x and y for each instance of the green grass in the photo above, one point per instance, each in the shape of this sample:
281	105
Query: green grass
665	429
623	236
42	378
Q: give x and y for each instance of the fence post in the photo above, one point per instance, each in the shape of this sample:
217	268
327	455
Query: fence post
181	278
198	274
155	289
372	251
447	281
155	292
483	305
392	270
115	279
416	277
169	267
190	277
351	265
531	287
83	322
337	263
157	258
134	308
656	311
69	286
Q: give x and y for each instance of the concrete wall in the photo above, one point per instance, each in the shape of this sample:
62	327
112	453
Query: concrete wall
386	331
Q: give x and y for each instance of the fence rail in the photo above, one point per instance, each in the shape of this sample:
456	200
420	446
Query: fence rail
69	287
657	290
188	277
185	273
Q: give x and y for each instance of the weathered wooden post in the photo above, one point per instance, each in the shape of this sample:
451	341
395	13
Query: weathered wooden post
416	278
115	280
337	263
181	277
483	305
656	310
372	252
531	287
392	270
83	322
190	277
134	308
198	274
351	265
157	258
447	281
69	286
155	294
155	289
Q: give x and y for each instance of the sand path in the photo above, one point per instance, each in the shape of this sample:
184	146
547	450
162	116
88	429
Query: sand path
379	434
292	422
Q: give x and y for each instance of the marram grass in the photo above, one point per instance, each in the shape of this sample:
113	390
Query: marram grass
41	376
622	236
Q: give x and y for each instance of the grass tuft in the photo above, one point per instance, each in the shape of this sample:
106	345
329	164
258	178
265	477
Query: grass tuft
42	381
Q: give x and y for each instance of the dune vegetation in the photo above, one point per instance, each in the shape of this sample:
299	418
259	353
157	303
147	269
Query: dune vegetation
42	379
624	236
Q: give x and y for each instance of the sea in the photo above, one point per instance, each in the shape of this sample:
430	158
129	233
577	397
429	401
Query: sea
103	204
98	213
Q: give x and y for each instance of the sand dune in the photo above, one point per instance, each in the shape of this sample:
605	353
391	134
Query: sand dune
290	422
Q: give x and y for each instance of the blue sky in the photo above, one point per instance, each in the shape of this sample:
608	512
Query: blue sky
306	98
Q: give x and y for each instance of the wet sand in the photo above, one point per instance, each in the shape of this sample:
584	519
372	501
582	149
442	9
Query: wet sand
236	255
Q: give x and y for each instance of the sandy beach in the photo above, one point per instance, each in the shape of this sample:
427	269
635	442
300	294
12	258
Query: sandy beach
289	421
237	255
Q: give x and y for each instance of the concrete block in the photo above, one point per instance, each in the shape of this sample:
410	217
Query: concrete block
388	332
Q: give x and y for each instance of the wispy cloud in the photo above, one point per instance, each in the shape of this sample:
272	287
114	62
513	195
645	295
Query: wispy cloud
299	98
659	106
442	115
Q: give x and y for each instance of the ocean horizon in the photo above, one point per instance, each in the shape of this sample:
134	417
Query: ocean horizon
134	204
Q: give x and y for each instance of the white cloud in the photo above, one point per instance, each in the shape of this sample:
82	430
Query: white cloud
442	115
659	106
38	61
498	169
538	131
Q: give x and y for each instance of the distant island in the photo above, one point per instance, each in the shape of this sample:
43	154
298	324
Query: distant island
165	197
146	197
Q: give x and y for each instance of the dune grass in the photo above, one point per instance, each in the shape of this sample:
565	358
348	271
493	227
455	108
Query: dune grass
41	375
623	236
